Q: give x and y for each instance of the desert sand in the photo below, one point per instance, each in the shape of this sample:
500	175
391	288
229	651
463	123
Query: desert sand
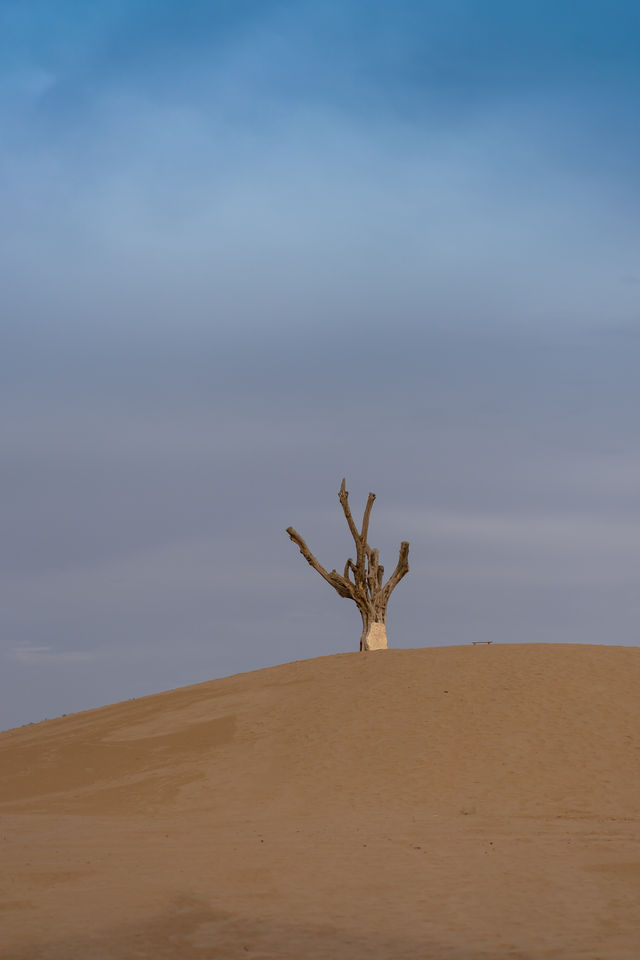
452	803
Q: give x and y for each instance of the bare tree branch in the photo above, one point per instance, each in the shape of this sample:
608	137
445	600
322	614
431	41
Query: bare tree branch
372	571
343	586
402	568
343	496
349	566
365	519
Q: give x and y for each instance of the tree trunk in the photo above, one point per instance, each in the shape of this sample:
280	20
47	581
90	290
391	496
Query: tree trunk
374	635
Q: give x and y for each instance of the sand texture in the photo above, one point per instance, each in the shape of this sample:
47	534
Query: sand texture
451	803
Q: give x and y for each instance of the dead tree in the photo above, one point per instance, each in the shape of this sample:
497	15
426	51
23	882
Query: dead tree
362	581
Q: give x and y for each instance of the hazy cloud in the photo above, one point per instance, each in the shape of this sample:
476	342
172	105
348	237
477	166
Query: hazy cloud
30	655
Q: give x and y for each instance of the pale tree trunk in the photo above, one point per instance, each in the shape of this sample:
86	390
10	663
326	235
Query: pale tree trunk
362	581
374	636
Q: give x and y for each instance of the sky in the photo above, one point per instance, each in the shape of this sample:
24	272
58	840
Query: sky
248	248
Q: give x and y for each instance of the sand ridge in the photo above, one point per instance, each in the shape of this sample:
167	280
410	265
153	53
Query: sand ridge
454	802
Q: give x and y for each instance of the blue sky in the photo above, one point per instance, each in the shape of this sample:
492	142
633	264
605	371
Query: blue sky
248	248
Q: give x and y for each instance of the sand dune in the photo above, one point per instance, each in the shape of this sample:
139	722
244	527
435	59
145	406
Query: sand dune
456	803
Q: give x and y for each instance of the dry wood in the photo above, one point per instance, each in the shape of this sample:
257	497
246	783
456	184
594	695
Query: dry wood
362	580
341	584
